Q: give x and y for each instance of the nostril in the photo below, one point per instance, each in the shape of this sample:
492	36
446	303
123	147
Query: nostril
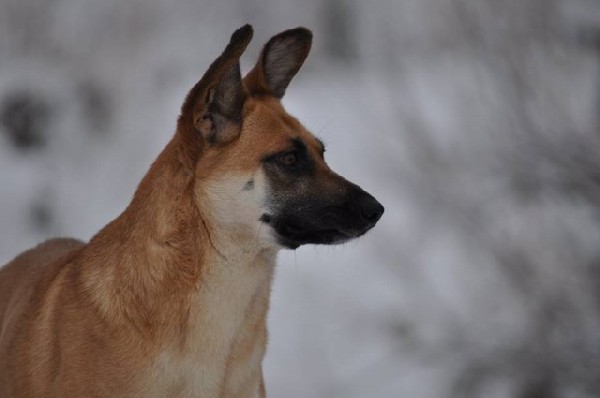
372	210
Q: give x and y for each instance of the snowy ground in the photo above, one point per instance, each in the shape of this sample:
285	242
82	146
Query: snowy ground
481	279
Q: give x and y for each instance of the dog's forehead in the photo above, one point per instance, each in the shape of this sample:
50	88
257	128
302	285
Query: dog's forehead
270	128
267	129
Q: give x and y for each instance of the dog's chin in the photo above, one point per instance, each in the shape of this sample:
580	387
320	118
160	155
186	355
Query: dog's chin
317	237
291	234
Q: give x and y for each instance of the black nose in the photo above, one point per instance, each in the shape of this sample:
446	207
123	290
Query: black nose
370	209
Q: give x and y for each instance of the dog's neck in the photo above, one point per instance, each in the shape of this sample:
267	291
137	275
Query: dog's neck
146	266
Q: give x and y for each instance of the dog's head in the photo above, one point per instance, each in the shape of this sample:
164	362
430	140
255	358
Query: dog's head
259	173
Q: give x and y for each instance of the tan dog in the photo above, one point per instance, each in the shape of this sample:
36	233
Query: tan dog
170	299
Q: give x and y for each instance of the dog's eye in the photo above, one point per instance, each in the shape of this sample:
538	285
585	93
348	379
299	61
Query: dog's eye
289	159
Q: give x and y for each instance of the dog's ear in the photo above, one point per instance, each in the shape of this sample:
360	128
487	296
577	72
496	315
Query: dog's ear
213	107
279	61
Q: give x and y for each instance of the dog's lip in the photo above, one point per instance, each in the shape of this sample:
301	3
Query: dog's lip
291	229
293	235
327	236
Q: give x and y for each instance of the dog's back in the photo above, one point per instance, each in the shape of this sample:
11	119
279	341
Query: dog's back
17	281
18	276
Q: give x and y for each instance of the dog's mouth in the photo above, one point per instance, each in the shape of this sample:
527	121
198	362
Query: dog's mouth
293	240
292	235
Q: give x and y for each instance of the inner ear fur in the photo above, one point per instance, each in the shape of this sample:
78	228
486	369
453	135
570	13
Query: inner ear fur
220	120
213	107
279	61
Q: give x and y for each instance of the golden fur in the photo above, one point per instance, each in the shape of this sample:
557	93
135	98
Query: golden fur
170	299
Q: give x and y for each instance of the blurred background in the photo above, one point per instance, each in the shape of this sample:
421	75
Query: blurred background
474	122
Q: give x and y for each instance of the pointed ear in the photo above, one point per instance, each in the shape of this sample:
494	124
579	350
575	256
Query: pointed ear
279	61
213	107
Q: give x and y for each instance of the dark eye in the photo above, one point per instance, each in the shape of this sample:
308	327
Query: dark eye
289	159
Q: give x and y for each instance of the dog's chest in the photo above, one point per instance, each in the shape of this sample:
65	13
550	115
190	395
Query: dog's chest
225	312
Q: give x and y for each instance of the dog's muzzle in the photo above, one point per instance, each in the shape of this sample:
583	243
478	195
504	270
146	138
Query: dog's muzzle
322	221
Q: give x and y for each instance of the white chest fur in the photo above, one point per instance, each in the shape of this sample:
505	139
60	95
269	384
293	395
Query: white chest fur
226	316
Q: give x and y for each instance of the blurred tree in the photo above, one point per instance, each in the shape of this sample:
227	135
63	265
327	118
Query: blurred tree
339	25
25	117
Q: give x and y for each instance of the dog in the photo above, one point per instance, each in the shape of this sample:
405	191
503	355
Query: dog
170	299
